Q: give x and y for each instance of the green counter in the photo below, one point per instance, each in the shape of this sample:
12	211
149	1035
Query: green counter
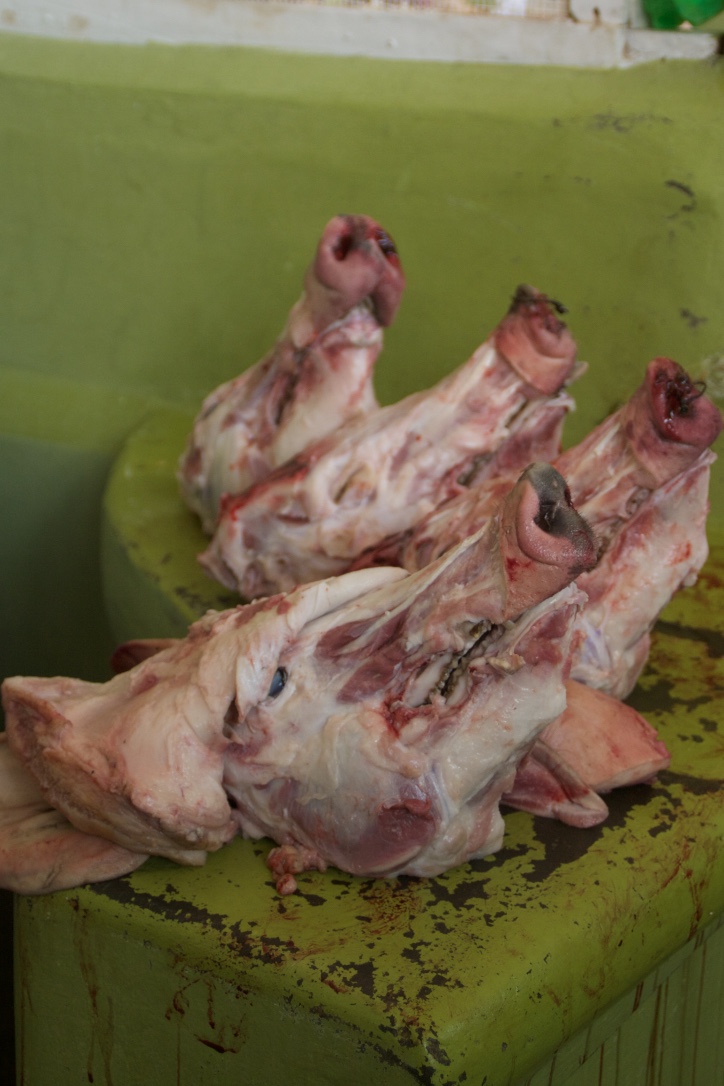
555	953
158	208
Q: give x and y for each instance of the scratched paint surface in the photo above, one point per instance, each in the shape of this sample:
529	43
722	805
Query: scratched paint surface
603	187
486	969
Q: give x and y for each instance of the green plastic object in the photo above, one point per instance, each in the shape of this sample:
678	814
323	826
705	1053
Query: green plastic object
697	12
663	14
669	14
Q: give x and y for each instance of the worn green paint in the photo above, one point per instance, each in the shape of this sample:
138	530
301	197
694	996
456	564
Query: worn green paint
484	971
666	1032
157	208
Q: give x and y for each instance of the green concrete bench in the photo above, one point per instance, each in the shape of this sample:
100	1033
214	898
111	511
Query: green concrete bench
158	208
577	952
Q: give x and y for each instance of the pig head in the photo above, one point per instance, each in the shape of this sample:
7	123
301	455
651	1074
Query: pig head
641	481
372	721
380	473
649	510
317	375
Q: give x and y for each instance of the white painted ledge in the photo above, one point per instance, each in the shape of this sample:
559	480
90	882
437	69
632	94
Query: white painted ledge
383	32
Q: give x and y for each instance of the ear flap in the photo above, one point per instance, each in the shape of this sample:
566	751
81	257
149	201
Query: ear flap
103	755
598	743
135	652
40	851
321	597
546	785
605	741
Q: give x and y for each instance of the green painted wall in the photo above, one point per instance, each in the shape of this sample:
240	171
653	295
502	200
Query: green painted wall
159	204
158	207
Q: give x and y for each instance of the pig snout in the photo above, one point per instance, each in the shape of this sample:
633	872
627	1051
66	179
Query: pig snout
357	259
545	542
669	422
535	342
549	528
680	410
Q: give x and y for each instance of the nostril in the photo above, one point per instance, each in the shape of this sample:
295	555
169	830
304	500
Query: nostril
546	515
680	392
342	246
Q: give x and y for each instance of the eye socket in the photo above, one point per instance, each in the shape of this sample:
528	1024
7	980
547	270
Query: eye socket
278	682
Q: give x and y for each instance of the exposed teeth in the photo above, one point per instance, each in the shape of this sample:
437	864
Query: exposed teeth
483	631
454	673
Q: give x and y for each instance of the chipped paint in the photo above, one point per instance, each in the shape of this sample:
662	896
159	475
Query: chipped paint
475	976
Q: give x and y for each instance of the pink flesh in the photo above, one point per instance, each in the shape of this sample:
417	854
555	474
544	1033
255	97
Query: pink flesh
131	653
538	439
393	743
385	813
661	431
548	528
548	536
336	717
610	473
598	743
535	342
547	786
356	259
376	475
40	851
685	421
605	741
317	375
138	759
659	549
651	533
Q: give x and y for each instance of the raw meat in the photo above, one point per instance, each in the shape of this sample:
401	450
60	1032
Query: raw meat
372	721
40	851
641	481
427	694
597	744
646	491
658	551
381	473
607	743
317	375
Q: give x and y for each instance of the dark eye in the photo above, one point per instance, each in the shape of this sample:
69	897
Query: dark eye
278	682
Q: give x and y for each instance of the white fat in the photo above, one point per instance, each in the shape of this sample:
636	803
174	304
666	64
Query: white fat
326	596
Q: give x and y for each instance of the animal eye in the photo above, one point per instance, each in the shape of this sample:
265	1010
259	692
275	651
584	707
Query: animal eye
278	682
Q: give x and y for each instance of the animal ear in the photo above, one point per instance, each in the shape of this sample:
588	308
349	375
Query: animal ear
545	784
40	851
322	597
135	652
77	741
